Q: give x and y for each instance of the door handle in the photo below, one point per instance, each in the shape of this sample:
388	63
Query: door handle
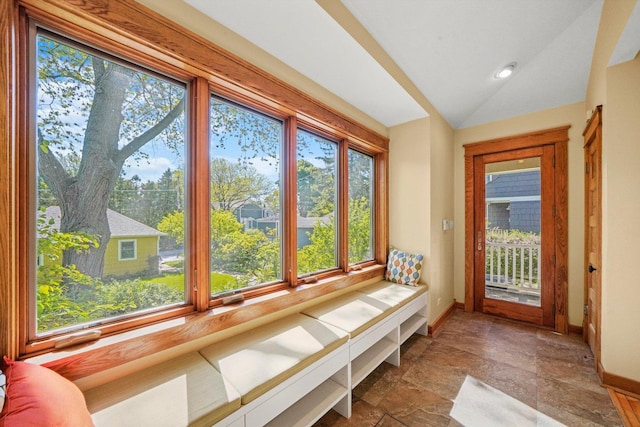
592	268
479	240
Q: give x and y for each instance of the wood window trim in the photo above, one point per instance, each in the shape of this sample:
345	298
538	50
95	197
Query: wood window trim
559	137
123	26
188	332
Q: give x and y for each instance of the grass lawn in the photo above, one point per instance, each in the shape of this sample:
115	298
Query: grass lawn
219	282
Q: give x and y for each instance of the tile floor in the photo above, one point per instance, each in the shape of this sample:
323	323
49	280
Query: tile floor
551	373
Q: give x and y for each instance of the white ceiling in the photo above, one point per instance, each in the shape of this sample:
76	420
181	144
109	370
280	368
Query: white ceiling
450	50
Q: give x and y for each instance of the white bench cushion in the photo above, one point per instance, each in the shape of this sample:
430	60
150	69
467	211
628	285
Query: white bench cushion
184	391
257	360
392	293
353	312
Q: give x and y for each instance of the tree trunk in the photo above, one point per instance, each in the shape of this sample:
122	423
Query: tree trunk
84	199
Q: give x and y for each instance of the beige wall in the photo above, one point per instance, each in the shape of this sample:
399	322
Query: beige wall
442	191
621	227
573	115
617	89
420	197
409	189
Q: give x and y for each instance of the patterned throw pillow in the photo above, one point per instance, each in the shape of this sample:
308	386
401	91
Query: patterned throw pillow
403	267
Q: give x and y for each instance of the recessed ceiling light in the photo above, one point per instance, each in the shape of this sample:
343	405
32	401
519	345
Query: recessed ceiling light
505	71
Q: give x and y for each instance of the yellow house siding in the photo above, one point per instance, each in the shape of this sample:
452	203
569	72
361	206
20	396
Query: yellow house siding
146	247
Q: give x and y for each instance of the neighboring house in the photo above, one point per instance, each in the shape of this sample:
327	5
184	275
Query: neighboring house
304	225
250	212
132	249
247	213
513	201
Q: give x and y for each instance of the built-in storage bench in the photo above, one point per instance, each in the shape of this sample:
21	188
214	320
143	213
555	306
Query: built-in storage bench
288	372
378	318
273	366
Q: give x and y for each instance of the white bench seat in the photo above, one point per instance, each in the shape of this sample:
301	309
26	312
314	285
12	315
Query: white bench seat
354	312
185	391
256	361
392	293
287	372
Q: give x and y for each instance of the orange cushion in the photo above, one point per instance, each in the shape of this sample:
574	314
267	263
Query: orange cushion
37	396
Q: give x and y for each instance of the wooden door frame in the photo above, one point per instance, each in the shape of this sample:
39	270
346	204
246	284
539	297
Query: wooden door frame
593	135
559	138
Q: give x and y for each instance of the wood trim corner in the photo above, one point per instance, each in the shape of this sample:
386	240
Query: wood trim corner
525	140
617	382
436	326
469	296
9	332
594	121
381	202
575	329
561	235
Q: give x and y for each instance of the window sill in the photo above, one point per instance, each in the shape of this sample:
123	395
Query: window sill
93	363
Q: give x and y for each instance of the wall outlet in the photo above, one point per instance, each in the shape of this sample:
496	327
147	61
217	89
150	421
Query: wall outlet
439	301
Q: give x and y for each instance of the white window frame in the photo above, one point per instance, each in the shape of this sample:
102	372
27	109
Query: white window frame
135	249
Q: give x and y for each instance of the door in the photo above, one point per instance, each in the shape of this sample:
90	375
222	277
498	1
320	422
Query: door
593	223
515	234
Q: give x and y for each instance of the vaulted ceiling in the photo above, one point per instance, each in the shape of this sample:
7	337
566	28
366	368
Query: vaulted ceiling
387	57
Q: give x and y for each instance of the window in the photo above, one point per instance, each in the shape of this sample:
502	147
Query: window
110	154
360	207
317	171
245	213
153	186
127	250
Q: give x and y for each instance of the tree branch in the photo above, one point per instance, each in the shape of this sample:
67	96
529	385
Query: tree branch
139	141
51	169
98	68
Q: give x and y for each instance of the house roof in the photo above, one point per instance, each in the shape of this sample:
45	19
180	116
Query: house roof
120	225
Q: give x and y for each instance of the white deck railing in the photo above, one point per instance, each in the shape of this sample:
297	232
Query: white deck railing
513	266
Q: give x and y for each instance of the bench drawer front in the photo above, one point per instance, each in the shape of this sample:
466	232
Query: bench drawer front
418	305
365	340
277	400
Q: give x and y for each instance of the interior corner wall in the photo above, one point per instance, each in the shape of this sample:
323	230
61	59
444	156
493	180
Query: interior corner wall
409	190
572	114
620	313
441	193
616	89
